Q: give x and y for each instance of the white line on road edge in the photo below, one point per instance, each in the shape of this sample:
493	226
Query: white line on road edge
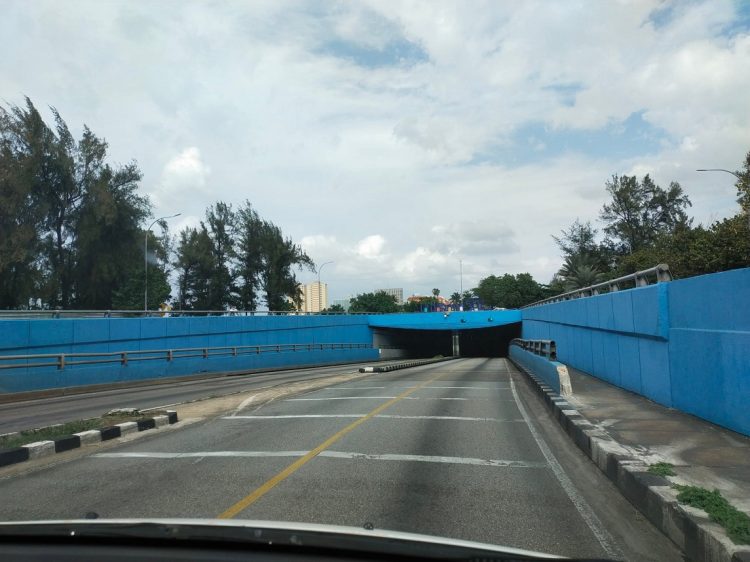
386	416
329	454
588	515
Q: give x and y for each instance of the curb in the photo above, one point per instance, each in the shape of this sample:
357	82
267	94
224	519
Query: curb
405	365
64	443
698	537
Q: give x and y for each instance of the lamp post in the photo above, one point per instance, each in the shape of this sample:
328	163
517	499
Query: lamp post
145	259
461	277
735	174
320	289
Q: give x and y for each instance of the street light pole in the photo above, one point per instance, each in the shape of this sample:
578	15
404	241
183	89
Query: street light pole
735	174
461	277
145	259
320	289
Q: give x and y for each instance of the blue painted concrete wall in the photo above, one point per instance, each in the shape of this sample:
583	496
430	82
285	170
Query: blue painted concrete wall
684	344
467	320
540	366
25	337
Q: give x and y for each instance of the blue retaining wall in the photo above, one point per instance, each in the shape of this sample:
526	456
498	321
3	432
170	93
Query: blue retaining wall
684	344
26	337
540	366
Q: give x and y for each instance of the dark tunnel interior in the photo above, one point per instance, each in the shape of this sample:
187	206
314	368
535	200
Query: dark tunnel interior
479	342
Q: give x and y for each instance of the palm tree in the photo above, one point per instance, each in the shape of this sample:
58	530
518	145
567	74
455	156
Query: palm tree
580	271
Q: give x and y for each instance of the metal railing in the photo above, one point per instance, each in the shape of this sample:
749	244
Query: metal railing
63	360
545	348
660	273
55	313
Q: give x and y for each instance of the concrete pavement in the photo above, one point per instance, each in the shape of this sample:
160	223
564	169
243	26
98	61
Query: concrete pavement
461	449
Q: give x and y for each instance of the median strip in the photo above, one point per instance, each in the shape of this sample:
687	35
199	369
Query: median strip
41	442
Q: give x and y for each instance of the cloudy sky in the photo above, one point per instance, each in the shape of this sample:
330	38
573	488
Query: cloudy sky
397	138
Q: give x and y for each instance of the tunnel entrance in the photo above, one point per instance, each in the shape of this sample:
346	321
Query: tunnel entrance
488	342
479	342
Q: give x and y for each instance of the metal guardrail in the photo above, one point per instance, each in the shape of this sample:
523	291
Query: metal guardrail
639	279
11	314
62	360
545	348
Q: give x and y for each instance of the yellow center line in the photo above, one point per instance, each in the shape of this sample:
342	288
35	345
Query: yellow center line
261	491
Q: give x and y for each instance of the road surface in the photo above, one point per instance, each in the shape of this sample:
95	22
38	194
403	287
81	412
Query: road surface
40	412
461	449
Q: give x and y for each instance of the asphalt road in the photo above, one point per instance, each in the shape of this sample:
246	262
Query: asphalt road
30	414
461	449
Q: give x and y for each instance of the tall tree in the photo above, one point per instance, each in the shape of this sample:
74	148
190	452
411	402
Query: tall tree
743	186
108	239
221	227
194	264
21	214
640	211
281	257
249	228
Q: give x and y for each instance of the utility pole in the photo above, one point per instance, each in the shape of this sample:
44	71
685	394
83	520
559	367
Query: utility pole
320	289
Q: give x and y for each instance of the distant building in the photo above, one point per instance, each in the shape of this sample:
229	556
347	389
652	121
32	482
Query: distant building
314	297
398	294
432	304
343	303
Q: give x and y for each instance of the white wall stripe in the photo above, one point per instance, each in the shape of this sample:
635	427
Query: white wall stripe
327	454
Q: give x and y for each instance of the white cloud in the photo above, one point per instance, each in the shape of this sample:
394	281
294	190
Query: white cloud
396	172
184	176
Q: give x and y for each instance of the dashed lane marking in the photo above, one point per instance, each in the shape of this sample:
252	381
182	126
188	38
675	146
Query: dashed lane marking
328	454
269	485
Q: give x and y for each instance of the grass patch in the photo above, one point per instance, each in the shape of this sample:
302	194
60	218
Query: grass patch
662	469
48	433
736	523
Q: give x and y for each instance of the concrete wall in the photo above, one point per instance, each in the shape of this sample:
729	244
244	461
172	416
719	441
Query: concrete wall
540	366
684	344
124	334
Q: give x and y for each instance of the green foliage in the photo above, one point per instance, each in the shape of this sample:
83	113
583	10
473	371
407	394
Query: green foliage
334	309
736	523
374	302
662	469
509	291
579	271
743	187
69	222
641	211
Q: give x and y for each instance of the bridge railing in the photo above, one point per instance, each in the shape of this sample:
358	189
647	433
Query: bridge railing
545	348
63	360
659	273
53	313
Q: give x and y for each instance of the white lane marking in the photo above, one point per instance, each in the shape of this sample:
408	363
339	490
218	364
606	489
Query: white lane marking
371	398
584	509
386	416
355	388
222	454
329	454
244	404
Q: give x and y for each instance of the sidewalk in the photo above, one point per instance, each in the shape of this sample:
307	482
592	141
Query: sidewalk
624	434
703	454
